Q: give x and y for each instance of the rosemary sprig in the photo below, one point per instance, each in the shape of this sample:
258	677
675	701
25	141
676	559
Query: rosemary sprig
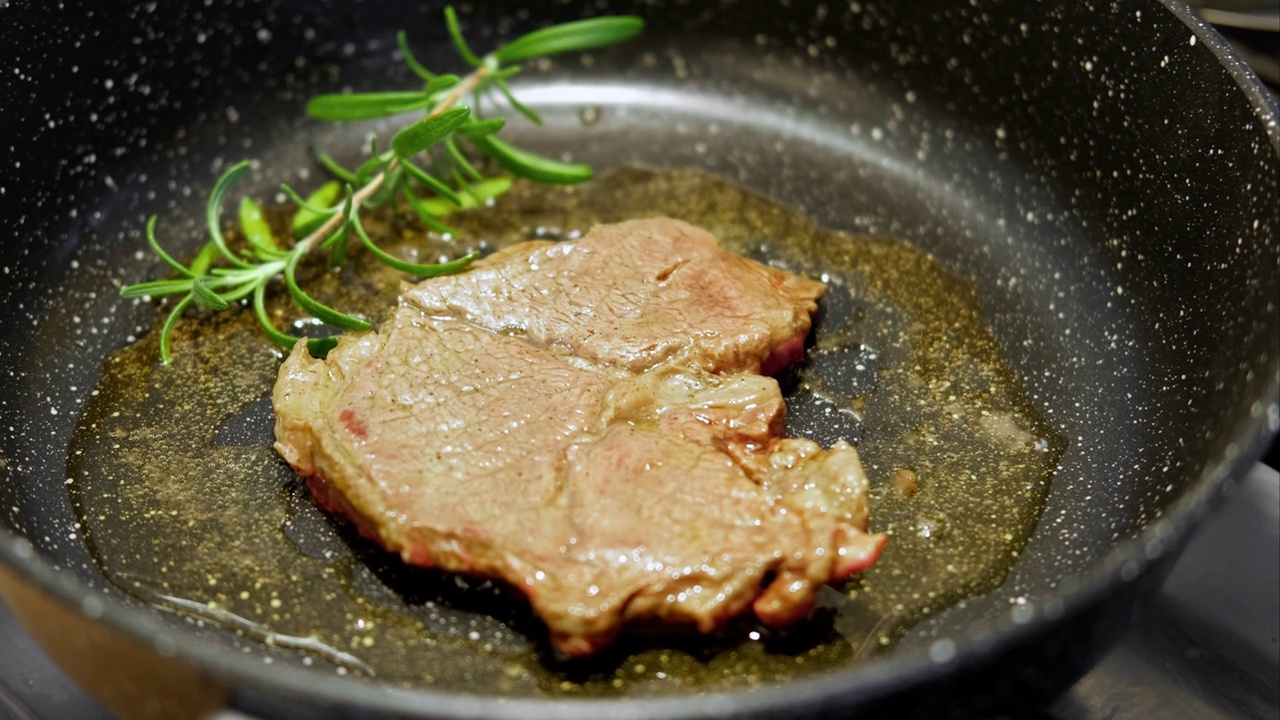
220	277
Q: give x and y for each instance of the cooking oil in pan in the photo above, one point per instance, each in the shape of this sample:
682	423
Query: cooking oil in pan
188	507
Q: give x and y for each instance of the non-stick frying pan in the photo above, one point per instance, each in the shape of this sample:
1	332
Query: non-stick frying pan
1106	173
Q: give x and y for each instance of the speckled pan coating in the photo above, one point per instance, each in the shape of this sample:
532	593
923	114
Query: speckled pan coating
1106	171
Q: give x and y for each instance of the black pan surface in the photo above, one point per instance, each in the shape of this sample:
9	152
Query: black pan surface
1105	173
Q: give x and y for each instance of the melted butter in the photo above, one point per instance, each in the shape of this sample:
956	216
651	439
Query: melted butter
187	506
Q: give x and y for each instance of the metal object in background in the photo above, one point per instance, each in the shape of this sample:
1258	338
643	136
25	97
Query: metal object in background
1262	15
1253	26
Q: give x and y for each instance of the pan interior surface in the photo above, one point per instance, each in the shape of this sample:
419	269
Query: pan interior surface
157	447
1124	255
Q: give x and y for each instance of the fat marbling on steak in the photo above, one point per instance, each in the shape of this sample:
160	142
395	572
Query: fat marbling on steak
587	422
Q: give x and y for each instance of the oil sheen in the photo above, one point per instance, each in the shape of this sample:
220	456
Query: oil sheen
187	506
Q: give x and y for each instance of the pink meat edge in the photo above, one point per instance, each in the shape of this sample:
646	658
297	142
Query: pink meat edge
856	551
784	354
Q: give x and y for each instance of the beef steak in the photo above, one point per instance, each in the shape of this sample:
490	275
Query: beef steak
585	422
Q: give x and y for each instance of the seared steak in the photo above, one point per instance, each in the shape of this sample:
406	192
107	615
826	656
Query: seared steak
584	421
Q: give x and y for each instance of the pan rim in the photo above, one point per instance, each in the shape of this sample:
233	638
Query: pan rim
874	679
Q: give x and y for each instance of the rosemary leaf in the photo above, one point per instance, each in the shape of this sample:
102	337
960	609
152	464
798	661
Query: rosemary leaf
431	183
245	287
159	251
204	259
411	60
213	211
367	169
264	320
455	34
427	132
206	297
428	218
309	203
440	83
310	216
313	307
460	182
570	37
157	288
335	168
416	269
394	177
166	332
315	346
475	195
531	166
480	128
336	244
256	230
460	161
337	241
520	107
343	107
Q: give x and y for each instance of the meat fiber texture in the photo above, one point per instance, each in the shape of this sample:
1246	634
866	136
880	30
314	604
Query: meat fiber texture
587	422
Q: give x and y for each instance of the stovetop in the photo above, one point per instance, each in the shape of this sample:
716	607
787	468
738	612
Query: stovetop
1207	648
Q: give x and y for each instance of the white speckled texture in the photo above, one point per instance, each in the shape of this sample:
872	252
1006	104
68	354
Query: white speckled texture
1096	167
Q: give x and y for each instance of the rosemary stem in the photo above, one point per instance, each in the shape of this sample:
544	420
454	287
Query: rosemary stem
220	276
468	83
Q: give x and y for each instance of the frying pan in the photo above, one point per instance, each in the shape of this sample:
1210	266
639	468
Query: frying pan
1105	173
